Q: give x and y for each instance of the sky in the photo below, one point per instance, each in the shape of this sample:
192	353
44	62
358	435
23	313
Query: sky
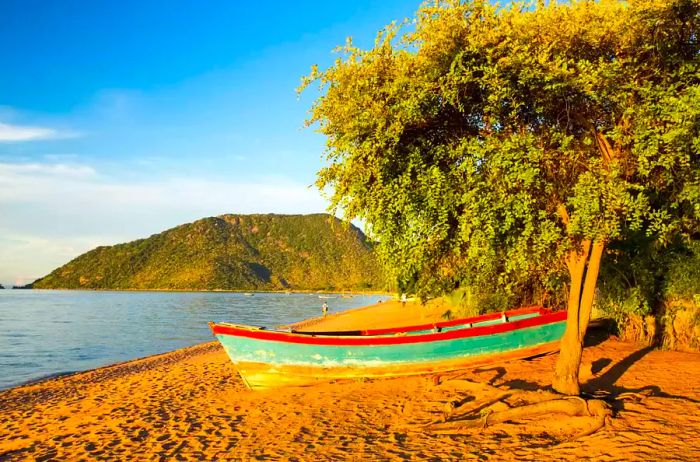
120	119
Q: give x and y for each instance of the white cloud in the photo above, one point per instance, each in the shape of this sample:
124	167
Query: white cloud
14	133
57	158
64	185
52	212
29	174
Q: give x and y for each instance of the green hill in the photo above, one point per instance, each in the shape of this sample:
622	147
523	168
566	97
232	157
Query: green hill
231	252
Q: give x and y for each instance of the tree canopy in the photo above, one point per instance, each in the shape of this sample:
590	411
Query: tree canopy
484	143
462	137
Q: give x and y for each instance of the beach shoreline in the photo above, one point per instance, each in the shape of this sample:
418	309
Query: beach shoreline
347	319
190	404
62	332
67	374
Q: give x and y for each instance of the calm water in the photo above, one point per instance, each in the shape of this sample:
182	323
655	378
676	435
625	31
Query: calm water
50	332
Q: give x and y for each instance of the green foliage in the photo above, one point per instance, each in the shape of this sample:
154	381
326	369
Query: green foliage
631	277
472	301
466	138
640	277
232	252
682	281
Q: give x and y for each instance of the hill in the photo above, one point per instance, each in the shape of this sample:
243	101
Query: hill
231	252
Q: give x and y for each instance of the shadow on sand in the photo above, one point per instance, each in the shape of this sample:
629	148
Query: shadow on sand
607	382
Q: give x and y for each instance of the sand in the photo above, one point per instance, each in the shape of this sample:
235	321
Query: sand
191	405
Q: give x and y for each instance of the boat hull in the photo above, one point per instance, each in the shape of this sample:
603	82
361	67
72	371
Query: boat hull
268	359
263	376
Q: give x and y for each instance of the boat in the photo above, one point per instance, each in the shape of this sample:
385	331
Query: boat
274	358
328	297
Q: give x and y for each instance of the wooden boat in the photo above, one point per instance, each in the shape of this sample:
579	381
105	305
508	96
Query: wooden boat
269	358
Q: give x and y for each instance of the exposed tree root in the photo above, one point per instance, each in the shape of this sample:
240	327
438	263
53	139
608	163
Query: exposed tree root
490	405
570	406
599	424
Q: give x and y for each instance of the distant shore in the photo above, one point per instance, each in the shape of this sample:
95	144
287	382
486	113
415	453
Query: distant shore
190	404
233	291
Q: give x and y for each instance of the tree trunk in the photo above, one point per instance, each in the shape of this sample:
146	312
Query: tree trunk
588	295
583	265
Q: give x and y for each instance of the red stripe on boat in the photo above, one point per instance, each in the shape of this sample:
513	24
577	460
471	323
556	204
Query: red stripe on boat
286	337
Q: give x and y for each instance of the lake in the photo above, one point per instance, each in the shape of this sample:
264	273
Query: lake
43	333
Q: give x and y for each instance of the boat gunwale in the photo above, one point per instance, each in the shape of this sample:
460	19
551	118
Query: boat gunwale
364	340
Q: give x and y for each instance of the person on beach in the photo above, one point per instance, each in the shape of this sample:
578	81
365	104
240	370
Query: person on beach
325	309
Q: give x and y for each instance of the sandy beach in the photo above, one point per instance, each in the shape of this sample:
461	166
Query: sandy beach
191	405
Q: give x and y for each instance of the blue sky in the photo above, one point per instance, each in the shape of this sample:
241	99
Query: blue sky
119	119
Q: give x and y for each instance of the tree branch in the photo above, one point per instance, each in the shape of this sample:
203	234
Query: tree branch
604	147
564	215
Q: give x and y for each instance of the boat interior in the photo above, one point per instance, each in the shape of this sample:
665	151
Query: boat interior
485	320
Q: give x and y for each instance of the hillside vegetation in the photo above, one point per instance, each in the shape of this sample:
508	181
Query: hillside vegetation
231	252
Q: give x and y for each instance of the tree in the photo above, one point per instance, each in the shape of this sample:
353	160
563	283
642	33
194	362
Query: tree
517	141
